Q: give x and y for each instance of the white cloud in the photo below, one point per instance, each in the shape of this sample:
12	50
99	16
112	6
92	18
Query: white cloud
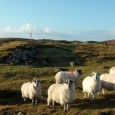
112	32
9	29
48	30
24	30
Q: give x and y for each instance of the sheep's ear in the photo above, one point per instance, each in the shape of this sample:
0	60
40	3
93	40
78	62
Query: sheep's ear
66	81
71	81
34	79
92	73
79	71
39	81
95	77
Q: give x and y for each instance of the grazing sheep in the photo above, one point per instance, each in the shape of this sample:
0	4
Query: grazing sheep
112	70
107	82
61	76
91	85
61	93
31	90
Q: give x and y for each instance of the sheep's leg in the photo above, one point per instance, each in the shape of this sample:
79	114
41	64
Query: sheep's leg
85	95
93	96
103	91
33	100
53	103
88	95
66	107
48	101
24	99
98	93
36	101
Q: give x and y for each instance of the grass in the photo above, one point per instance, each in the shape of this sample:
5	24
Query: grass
11	101
12	77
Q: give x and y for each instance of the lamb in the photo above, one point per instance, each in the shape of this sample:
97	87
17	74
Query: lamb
62	94
91	85
61	76
112	70
32	90
107	82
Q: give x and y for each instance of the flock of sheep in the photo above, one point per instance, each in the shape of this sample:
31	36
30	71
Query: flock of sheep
63	91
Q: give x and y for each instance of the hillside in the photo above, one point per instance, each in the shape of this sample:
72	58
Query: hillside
21	60
15	51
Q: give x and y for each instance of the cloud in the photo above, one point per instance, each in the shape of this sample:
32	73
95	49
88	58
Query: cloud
96	35
48	30
112	32
26	28
24	31
8	29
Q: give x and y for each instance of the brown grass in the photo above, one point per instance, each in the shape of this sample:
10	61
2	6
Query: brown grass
12	77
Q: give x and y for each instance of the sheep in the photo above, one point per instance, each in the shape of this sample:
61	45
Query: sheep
61	76
32	90
91	85
112	70
62	94
107	82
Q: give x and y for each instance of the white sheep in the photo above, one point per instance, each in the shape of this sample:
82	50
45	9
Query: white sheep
91	85
107	82
112	70
61	76
61	93
32	90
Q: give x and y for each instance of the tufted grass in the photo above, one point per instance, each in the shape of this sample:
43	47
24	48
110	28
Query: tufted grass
97	58
12	77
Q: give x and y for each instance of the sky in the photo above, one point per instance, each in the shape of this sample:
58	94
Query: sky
81	20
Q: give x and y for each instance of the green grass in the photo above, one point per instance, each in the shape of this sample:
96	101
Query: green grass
12	77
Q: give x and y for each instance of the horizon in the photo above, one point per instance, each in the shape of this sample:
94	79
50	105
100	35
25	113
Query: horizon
57	39
78	20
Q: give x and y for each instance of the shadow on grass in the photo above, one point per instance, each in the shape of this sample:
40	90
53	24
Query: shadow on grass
108	101
9	97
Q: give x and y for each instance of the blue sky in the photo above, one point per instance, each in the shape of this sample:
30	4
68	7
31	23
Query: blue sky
82	20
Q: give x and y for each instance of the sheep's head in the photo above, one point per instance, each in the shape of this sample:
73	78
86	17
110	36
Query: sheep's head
96	76
36	82
69	83
78	72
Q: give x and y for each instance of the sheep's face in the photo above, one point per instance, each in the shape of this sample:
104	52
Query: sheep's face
69	83
79	72
96	76
36	82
